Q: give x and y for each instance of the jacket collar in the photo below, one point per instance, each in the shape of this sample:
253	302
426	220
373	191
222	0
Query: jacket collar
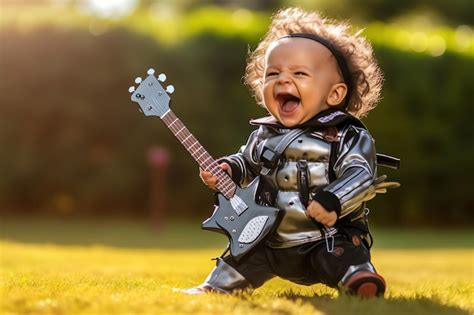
327	118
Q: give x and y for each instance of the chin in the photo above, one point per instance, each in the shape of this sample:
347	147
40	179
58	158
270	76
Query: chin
289	123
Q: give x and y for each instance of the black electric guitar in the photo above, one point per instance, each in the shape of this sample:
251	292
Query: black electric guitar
236	215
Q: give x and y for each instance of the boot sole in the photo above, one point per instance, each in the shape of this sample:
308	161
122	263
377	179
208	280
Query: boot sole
366	284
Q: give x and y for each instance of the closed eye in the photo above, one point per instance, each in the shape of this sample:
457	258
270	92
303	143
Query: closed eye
301	73
273	73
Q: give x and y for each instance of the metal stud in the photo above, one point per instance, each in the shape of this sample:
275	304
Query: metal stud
150	71
131	89
138	80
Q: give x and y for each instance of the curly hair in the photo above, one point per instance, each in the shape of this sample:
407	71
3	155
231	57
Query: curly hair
364	72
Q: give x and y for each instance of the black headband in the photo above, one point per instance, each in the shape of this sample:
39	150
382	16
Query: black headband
341	61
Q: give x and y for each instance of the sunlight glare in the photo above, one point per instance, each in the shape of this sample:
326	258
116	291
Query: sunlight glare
109	8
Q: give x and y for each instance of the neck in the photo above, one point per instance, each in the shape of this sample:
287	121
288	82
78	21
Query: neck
224	184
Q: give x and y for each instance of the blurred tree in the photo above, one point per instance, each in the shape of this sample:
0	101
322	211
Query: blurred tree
24	2
183	5
73	141
451	12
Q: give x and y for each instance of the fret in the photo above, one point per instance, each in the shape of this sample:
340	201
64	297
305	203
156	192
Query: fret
208	158
186	138
201	155
171	124
205	161
182	128
194	145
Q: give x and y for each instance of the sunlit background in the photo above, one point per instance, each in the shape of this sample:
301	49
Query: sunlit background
101	206
74	145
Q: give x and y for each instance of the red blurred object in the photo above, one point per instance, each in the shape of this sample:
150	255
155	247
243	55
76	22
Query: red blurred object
158	159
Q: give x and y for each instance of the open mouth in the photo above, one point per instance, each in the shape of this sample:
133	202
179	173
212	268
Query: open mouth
288	102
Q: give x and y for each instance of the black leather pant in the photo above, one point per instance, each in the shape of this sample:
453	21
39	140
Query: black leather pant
306	264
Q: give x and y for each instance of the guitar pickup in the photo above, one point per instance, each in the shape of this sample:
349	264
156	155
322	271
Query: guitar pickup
253	229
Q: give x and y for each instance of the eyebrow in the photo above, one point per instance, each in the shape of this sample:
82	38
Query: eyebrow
294	67
299	67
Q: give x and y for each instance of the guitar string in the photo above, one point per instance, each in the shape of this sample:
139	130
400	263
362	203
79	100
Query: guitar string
190	138
185	140
227	185
224	184
199	154
177	131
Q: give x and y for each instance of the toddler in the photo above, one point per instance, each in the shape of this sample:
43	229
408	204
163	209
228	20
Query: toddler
313	74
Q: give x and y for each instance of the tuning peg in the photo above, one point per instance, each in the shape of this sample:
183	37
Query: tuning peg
170	89
150	71
162	77
131	89
138	80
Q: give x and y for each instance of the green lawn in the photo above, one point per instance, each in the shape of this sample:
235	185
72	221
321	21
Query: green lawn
125	267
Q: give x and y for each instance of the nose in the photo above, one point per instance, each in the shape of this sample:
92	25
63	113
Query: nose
283	78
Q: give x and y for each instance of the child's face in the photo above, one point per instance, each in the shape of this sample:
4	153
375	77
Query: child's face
301	80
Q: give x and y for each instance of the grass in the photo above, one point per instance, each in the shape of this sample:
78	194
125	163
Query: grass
125	267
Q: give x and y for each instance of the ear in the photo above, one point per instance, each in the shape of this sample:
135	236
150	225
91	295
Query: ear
336	94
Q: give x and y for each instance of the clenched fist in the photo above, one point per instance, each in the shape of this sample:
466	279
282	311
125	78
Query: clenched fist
320	214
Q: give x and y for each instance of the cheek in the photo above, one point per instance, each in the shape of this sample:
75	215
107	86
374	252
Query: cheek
267	92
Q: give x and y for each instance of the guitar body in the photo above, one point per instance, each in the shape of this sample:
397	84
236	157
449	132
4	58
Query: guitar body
246	230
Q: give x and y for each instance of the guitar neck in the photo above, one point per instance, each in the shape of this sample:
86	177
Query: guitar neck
224	184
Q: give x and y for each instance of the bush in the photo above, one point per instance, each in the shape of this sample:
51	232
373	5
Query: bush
73	141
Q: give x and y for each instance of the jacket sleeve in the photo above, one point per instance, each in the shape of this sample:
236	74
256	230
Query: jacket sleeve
355	169
245	164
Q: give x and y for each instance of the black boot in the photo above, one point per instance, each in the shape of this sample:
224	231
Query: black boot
362	280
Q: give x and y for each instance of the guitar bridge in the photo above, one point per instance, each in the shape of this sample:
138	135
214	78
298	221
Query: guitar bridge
238	204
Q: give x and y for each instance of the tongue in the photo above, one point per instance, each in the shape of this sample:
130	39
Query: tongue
290	105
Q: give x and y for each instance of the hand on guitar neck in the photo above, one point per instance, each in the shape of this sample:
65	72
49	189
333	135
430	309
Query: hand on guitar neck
211	180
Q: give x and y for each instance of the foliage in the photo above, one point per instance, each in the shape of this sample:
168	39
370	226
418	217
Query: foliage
74	141
46	275
450	12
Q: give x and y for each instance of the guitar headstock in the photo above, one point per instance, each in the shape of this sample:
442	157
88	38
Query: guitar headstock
153	99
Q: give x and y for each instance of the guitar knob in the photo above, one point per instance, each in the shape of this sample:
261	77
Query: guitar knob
131	89
150	71
138	80
170	89
162	77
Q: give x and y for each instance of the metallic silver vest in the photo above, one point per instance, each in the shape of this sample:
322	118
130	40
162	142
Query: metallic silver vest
355	170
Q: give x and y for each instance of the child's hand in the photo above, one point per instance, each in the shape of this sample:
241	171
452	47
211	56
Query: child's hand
211	180
320	214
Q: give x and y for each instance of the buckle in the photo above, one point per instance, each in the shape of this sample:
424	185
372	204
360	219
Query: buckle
269	158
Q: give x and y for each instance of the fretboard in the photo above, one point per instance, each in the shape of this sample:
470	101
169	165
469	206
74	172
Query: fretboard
224	184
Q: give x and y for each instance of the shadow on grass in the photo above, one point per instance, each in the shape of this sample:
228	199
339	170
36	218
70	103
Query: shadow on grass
386	306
